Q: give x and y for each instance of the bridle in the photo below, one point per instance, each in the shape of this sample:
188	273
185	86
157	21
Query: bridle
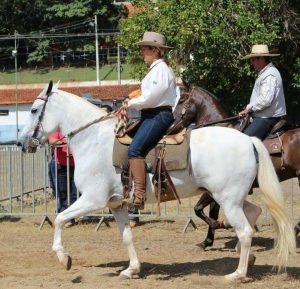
187	105
120	113
33	141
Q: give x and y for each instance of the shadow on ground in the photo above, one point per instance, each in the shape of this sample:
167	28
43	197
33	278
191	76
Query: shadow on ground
9	219
217	267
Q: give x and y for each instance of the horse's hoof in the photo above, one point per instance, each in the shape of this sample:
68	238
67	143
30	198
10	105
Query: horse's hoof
251	261
200	247
235	277
130	273
124	276
67	262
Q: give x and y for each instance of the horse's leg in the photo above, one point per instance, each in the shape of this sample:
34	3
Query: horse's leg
81	207
236	217
252	213
297	227
121	216
204	201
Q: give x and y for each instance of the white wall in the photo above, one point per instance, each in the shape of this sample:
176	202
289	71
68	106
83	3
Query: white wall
8	123
10	119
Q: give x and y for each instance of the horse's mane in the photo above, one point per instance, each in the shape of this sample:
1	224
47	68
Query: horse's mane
81	100
208	93
211	101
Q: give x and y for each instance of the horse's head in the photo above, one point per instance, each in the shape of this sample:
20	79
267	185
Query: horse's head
198	106
39	124
185	111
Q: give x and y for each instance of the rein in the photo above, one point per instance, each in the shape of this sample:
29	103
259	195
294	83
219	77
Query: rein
74	132
121	113
219	121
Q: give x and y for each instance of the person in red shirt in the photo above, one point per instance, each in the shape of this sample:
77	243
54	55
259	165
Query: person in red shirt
60	179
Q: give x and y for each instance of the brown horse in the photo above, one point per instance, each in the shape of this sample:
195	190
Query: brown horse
200	107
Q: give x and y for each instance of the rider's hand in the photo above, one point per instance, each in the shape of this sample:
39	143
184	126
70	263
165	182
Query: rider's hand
244	112
135	93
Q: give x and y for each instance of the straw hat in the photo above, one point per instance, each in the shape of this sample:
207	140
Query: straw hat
259	50
153	39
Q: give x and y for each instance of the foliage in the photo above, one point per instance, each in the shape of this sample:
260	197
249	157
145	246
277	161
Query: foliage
296	74
41	17
40	52
210	36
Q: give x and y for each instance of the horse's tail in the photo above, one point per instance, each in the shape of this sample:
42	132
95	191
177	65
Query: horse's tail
268	182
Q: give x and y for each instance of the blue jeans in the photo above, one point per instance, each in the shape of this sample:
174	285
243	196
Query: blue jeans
62	185
51	173
154	124
260	127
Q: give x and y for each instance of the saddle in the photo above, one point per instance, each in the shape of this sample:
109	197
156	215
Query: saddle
273	141
171	153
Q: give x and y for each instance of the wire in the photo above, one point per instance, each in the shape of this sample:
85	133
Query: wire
64	26
67	35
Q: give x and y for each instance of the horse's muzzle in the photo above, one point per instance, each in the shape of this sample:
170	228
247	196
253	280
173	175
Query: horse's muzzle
30	146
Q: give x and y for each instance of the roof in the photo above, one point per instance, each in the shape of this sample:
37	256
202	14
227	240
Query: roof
132	8
128	6
108	92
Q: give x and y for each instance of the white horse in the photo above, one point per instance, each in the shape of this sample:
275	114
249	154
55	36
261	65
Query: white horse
222	161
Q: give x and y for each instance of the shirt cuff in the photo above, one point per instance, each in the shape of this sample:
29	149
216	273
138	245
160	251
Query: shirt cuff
249	108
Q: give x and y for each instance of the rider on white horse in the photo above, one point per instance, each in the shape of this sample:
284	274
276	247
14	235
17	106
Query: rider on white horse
157	97
222	161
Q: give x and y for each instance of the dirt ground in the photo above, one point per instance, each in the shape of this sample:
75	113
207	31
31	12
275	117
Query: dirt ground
169	257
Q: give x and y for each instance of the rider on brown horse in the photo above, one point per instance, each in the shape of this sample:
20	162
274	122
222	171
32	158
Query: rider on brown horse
267	103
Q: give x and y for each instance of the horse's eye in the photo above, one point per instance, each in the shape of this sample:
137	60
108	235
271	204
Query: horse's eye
33	110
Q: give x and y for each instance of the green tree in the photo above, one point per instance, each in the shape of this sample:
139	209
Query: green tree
41	17
210	36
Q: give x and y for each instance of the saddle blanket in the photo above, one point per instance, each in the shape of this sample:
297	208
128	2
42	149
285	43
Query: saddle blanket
176	157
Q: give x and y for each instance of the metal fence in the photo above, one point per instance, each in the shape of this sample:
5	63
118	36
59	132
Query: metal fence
20	173
25	190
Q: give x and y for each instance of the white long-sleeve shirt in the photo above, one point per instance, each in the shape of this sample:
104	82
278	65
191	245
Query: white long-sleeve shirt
267	98
158	88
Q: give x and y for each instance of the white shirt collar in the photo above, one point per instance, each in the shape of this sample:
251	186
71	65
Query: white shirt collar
265	68
155	62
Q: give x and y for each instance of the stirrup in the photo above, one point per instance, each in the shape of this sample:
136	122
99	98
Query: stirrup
134	202
138	202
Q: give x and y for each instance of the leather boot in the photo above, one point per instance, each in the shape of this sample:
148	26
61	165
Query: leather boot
138	171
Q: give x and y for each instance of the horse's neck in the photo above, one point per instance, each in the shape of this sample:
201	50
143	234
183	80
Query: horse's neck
74	113
210	111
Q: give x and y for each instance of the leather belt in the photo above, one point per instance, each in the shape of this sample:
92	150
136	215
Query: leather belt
157	109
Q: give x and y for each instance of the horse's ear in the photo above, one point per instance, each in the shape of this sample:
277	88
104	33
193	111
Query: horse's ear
49	89
55	86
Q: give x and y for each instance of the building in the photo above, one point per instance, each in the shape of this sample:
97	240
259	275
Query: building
13	117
